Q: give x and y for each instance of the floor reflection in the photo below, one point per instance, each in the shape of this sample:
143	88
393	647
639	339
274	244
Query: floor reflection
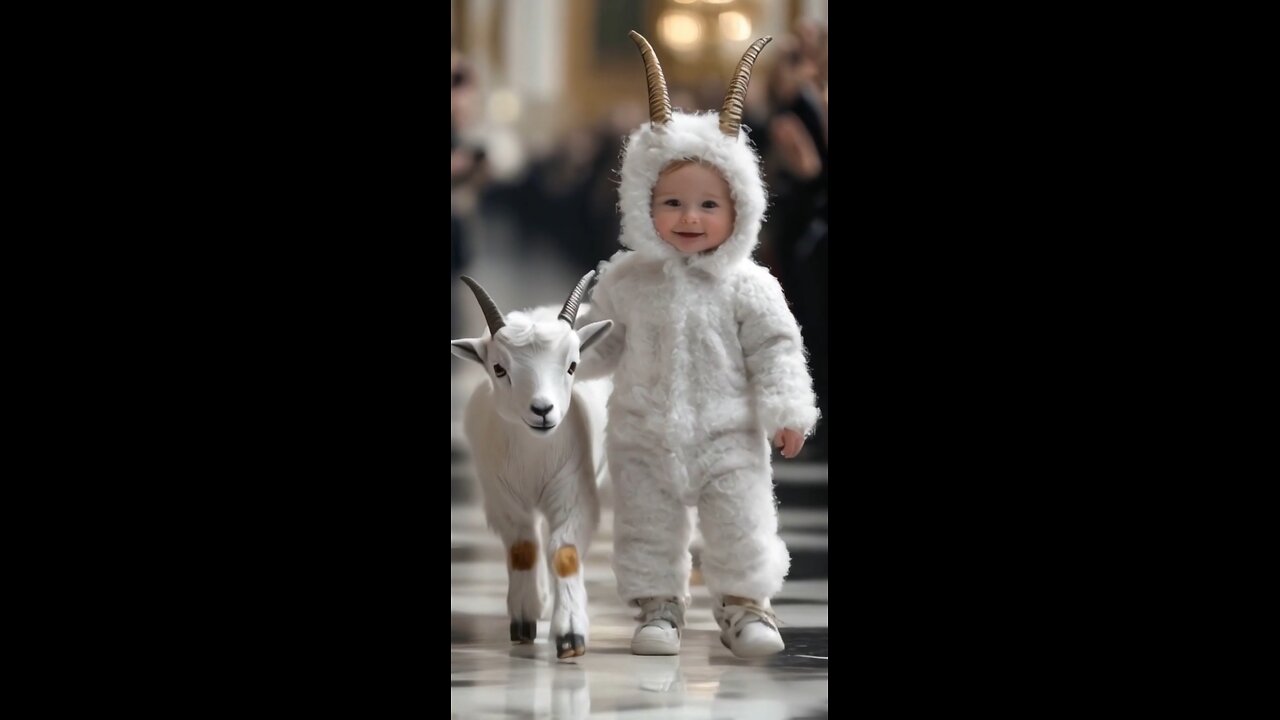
491	678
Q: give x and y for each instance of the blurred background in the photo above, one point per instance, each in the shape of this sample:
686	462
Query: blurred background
542	94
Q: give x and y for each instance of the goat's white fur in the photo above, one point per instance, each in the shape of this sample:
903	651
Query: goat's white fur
537	439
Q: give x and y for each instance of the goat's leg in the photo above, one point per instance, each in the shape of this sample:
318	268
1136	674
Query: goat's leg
572	512
524	597
546	600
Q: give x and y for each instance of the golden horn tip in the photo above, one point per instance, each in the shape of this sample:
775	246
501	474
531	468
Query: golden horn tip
735	98
659	100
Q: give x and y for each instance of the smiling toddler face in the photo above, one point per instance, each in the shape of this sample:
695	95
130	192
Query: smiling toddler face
692	210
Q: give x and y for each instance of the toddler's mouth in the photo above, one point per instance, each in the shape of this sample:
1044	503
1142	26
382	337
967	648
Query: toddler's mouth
689	234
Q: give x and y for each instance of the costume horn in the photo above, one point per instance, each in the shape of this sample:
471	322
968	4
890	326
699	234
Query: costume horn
659	101
731	112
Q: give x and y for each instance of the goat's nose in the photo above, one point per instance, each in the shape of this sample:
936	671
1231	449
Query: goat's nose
541	410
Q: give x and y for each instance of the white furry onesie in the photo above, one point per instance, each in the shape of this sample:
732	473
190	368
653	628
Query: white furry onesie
708	365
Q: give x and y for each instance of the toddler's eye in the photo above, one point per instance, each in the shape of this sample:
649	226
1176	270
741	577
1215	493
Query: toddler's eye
671	203
710	204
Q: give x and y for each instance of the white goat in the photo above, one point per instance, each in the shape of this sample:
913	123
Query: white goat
537	439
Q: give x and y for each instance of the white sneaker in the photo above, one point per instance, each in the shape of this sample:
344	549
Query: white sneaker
747	628
660	621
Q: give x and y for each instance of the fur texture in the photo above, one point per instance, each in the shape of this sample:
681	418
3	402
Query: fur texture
695	136
708	365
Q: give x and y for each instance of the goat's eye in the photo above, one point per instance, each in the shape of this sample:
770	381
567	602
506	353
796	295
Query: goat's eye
572	366
499	370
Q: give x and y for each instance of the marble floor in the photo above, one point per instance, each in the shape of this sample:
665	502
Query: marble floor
490	677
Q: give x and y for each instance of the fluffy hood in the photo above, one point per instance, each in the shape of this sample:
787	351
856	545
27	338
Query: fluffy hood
696	137
713	138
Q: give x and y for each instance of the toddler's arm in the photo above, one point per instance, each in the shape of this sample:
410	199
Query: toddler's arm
601	359
775	357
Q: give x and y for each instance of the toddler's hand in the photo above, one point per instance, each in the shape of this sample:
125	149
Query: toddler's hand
790	441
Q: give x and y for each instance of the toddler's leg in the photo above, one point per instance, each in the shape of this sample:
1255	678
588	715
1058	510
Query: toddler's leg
650	553
650	534
743	555
744	561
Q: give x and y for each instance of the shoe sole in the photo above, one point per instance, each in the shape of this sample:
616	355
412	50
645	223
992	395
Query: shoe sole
653	647
758	653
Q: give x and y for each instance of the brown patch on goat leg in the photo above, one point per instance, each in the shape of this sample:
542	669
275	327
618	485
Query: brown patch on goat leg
523	554
566	561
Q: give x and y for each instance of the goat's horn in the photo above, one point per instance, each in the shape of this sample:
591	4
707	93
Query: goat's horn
731	112
659	101
570	312
492	314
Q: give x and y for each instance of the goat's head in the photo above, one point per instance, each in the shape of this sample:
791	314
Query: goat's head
531	357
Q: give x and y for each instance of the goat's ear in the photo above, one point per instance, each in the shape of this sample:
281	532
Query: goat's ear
470	349
588	335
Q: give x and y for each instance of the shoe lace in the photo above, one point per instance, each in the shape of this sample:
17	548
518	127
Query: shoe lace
669	609
743	610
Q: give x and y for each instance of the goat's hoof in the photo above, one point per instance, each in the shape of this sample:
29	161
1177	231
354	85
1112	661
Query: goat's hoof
571	645
524	631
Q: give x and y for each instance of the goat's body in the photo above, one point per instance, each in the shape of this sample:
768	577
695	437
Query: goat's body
537	438
541	497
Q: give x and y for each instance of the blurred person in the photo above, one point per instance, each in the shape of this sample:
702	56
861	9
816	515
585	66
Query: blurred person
797	135
812	37
708	367
557	212
798	170
466	168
